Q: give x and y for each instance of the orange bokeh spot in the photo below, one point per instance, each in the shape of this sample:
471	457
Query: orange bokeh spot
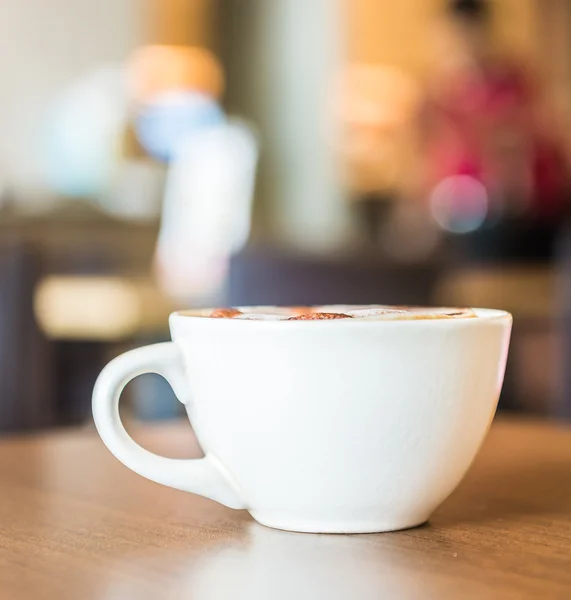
152	70
375	95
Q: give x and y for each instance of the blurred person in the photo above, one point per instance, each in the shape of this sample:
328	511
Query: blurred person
206	210
484	130
209	160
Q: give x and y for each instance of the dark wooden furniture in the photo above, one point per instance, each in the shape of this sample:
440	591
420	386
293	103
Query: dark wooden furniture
26	356
261	276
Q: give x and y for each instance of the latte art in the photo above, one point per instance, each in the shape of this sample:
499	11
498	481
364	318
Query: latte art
374	312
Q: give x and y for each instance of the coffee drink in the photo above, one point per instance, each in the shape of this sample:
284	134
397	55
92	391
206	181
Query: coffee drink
365	424
373	312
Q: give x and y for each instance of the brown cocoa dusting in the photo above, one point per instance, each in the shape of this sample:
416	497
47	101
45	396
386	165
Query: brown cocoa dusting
320	316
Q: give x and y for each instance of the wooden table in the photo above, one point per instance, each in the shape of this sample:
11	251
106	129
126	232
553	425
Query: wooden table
76	524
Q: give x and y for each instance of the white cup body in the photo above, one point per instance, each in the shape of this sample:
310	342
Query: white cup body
343	426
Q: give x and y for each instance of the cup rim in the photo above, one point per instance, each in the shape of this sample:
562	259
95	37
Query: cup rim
484	315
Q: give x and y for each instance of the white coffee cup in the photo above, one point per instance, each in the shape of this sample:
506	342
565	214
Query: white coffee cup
338	426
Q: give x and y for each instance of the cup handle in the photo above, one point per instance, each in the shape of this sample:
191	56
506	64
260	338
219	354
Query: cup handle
203	476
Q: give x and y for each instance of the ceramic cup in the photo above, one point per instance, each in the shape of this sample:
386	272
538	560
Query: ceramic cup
339	426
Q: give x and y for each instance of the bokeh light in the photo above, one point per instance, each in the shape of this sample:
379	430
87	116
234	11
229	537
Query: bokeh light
376	95
375	106
81	141
459	204
162	125
154	70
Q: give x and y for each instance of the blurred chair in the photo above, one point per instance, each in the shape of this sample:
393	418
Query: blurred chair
91	318
260	276
26	356
563	291
528	292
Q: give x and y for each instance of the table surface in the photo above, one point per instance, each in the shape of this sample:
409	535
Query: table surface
74	523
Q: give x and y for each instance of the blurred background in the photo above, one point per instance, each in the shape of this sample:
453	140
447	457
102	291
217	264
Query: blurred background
161	154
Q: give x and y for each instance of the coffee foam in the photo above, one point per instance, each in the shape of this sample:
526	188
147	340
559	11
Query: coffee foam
375	312
261	317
